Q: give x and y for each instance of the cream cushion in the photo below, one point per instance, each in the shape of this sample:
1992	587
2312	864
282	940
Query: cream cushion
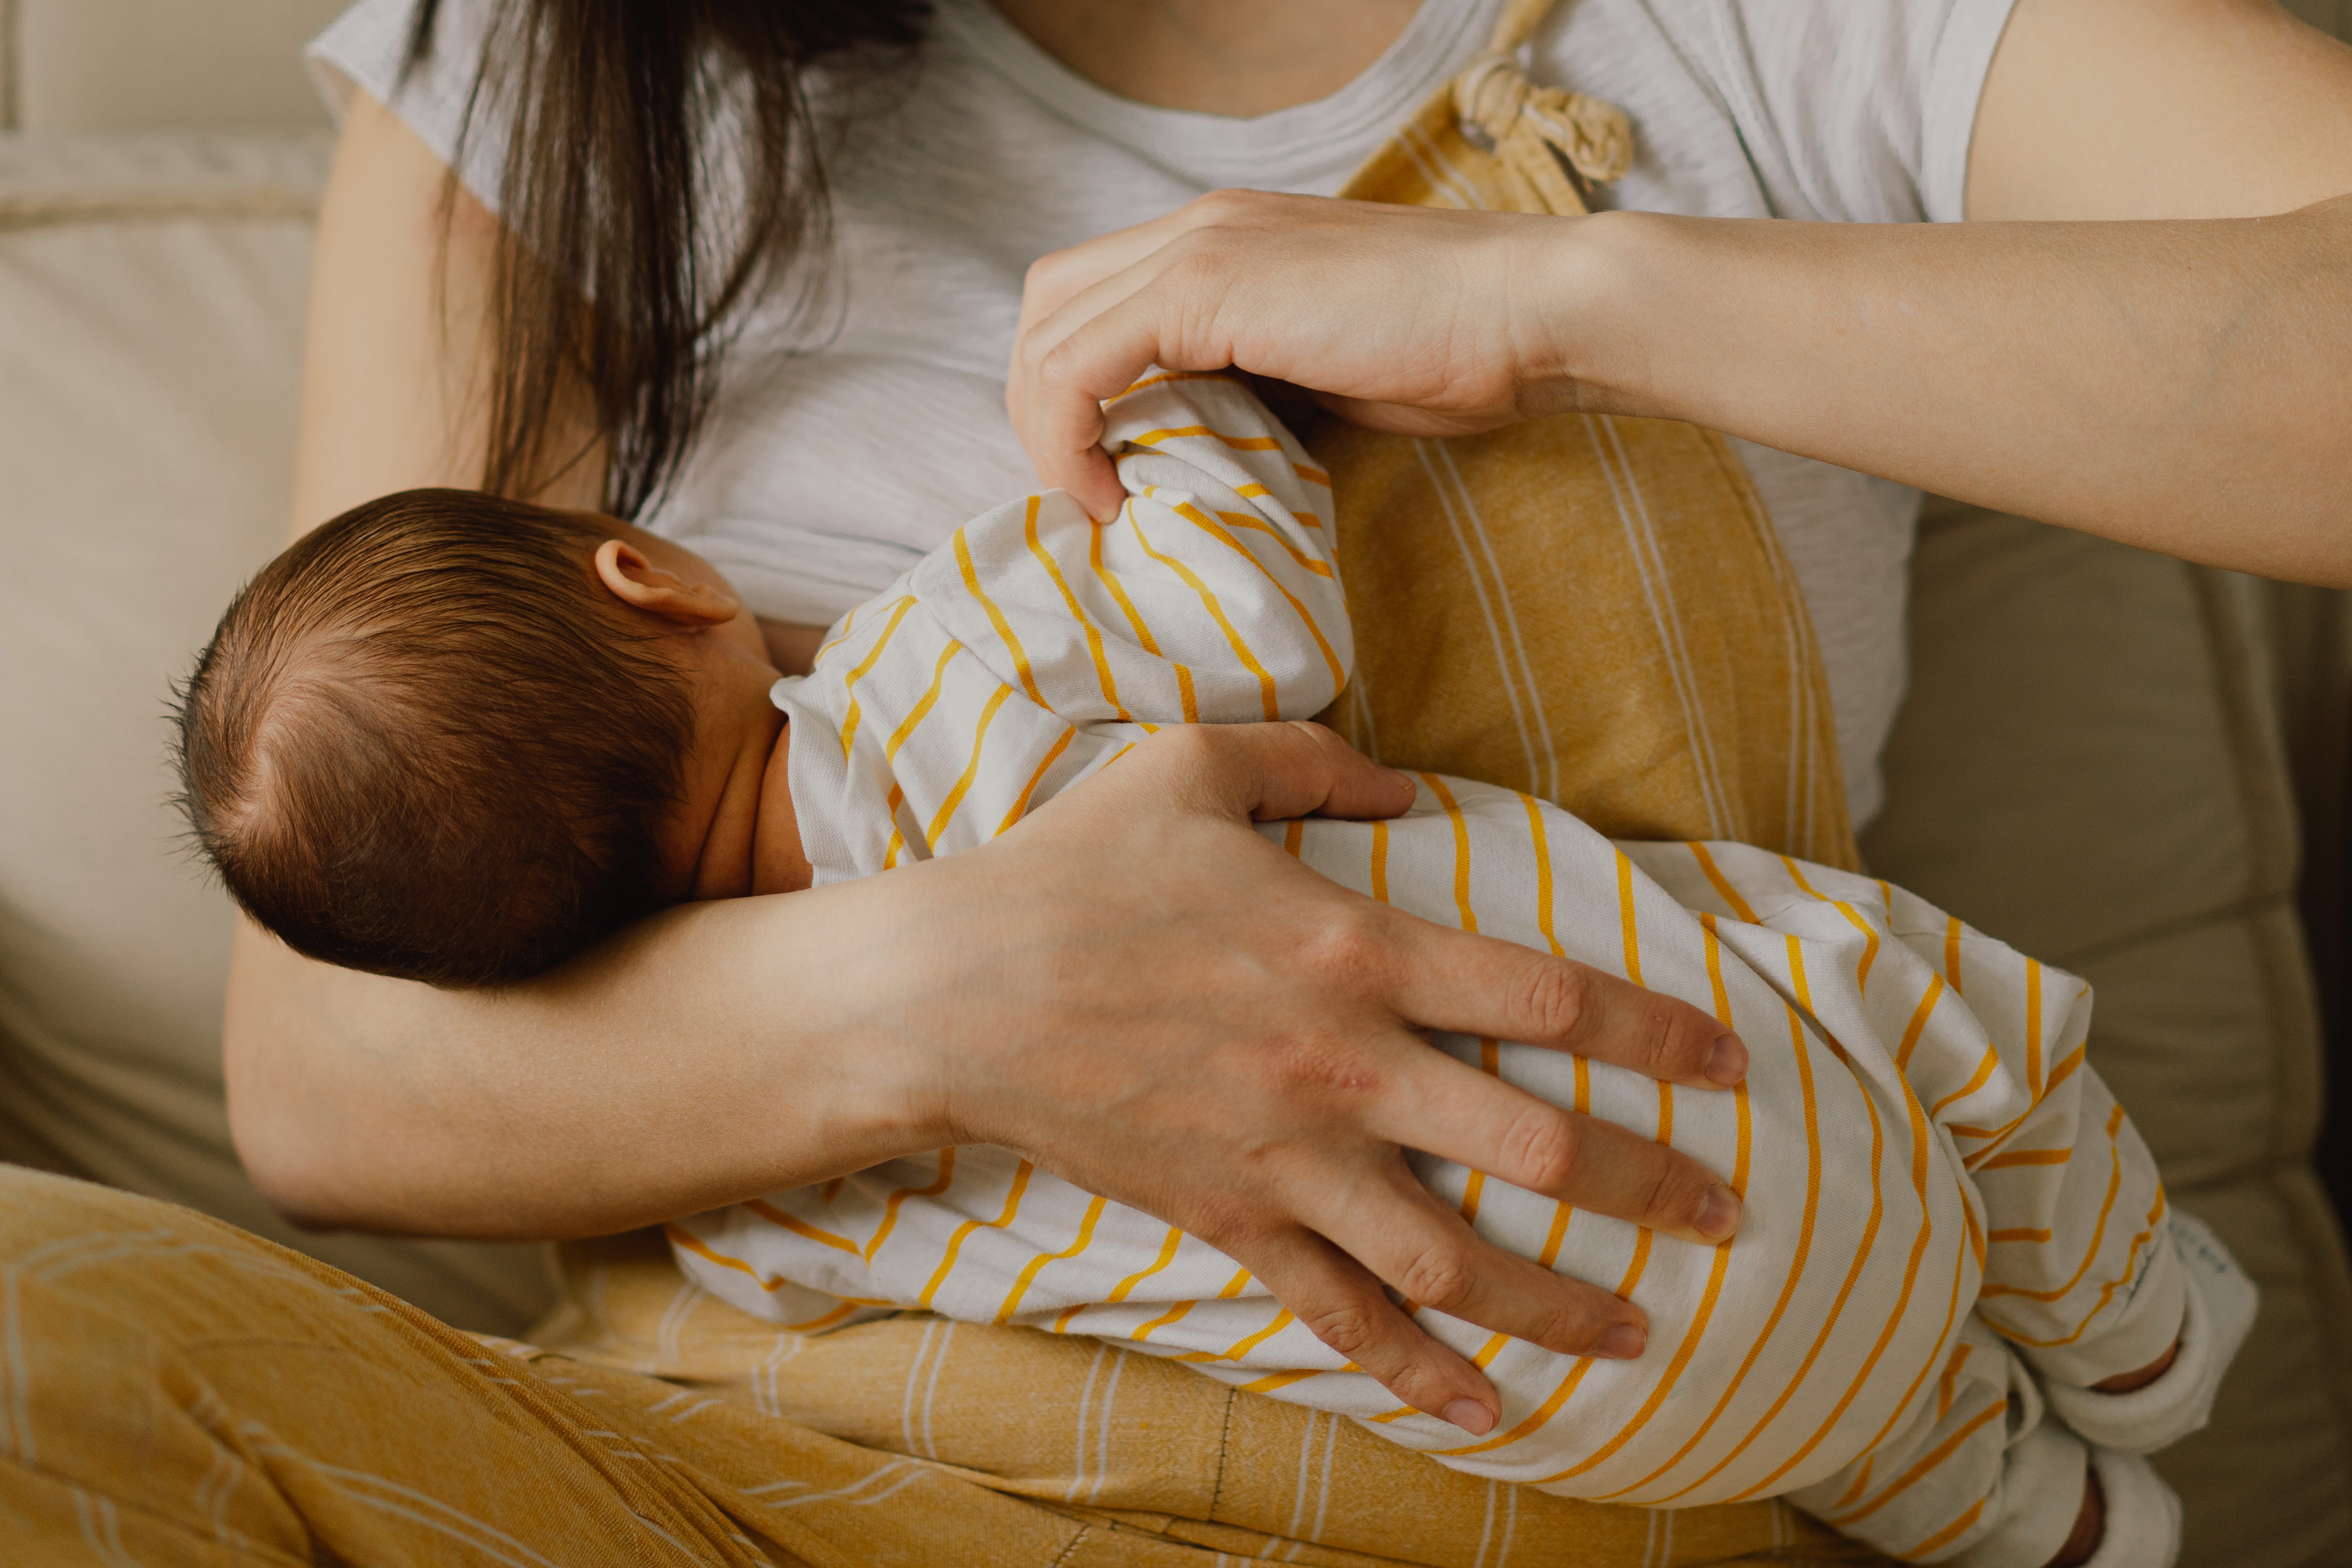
151	318
128	65
2091	765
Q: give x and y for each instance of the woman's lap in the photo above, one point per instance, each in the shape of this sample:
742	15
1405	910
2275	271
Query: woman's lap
1074	1422
174	1389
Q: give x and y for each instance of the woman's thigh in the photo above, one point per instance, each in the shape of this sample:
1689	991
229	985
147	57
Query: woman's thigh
1080	1424
172	1389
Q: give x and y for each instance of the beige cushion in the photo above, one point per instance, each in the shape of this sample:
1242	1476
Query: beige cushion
150	312
2091	766
127	65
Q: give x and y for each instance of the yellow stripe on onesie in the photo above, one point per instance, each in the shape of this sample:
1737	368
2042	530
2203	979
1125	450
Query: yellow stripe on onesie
1940	1193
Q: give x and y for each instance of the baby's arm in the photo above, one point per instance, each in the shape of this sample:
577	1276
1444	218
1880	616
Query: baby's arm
2088	1270
2087	1277
1210	598
2127	1311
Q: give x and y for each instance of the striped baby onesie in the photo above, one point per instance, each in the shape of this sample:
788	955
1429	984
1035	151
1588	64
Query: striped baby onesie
1946	1212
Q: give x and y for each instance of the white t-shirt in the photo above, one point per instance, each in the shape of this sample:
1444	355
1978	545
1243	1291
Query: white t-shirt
851	438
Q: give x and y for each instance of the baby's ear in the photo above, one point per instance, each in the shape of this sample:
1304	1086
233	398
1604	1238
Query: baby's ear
630	576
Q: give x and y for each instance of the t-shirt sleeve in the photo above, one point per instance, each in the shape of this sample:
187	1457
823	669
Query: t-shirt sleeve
364	50
1854	111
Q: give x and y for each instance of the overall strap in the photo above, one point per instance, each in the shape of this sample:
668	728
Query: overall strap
1533	129
1589	608
1490	138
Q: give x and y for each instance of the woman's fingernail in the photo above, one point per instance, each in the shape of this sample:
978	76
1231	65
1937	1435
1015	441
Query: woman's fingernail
1718	1213
1726	1060
1471	1416
1623	1342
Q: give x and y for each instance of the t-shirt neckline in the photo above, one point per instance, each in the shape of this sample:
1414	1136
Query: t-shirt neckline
1220	149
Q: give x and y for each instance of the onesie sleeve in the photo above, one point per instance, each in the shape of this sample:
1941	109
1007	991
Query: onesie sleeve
1212	597
2069	1220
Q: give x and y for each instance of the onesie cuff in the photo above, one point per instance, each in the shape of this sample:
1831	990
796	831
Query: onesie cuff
2042	1480
2041	1495
2143	1514
2138	1329
2219	1304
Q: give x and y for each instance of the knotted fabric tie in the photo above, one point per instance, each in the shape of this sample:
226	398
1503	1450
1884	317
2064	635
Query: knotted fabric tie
1528	125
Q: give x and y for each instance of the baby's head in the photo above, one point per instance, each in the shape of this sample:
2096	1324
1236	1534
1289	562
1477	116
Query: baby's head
446	736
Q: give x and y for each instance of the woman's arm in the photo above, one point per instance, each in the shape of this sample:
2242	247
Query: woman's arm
2173	383
1132	987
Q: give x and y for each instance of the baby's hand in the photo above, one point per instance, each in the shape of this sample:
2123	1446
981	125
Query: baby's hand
2091	1520
2126	1382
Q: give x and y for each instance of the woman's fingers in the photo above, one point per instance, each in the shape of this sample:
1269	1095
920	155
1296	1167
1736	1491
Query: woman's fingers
1055	394
1469	985
1340	1302
1418	320
1427	1253
1056	398
1056	279
1453	1112
1232	1050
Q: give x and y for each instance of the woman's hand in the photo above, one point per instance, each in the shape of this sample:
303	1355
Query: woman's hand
1404	319
1146	998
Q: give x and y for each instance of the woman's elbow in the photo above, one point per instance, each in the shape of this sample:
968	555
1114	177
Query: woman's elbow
293	1126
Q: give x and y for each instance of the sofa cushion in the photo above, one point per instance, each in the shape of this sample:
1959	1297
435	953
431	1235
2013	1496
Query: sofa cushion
2091	766
151	317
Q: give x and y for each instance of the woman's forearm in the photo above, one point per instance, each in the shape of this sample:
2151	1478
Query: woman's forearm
684	1065
2181	385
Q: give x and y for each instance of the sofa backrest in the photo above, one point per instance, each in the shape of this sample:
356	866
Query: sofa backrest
151	318
141	64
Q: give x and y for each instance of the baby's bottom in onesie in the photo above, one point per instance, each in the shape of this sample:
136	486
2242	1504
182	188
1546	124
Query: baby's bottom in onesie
1924	1156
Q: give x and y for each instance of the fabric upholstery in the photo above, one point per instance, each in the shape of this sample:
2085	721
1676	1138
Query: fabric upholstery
151	319
121	65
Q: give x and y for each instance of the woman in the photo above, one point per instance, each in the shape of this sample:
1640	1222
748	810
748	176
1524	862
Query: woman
2096	373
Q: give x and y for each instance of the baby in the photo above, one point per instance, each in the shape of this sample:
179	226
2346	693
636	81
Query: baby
457	739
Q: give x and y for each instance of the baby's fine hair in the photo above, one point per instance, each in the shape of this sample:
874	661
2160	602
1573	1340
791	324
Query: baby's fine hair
424	742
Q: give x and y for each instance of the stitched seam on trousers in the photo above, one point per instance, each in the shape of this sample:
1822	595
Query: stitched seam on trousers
1224	1452
1075	1541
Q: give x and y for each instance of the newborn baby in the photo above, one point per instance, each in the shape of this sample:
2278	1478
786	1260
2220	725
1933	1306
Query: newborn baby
457	739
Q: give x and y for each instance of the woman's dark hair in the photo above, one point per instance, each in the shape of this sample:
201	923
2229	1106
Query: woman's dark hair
615	278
